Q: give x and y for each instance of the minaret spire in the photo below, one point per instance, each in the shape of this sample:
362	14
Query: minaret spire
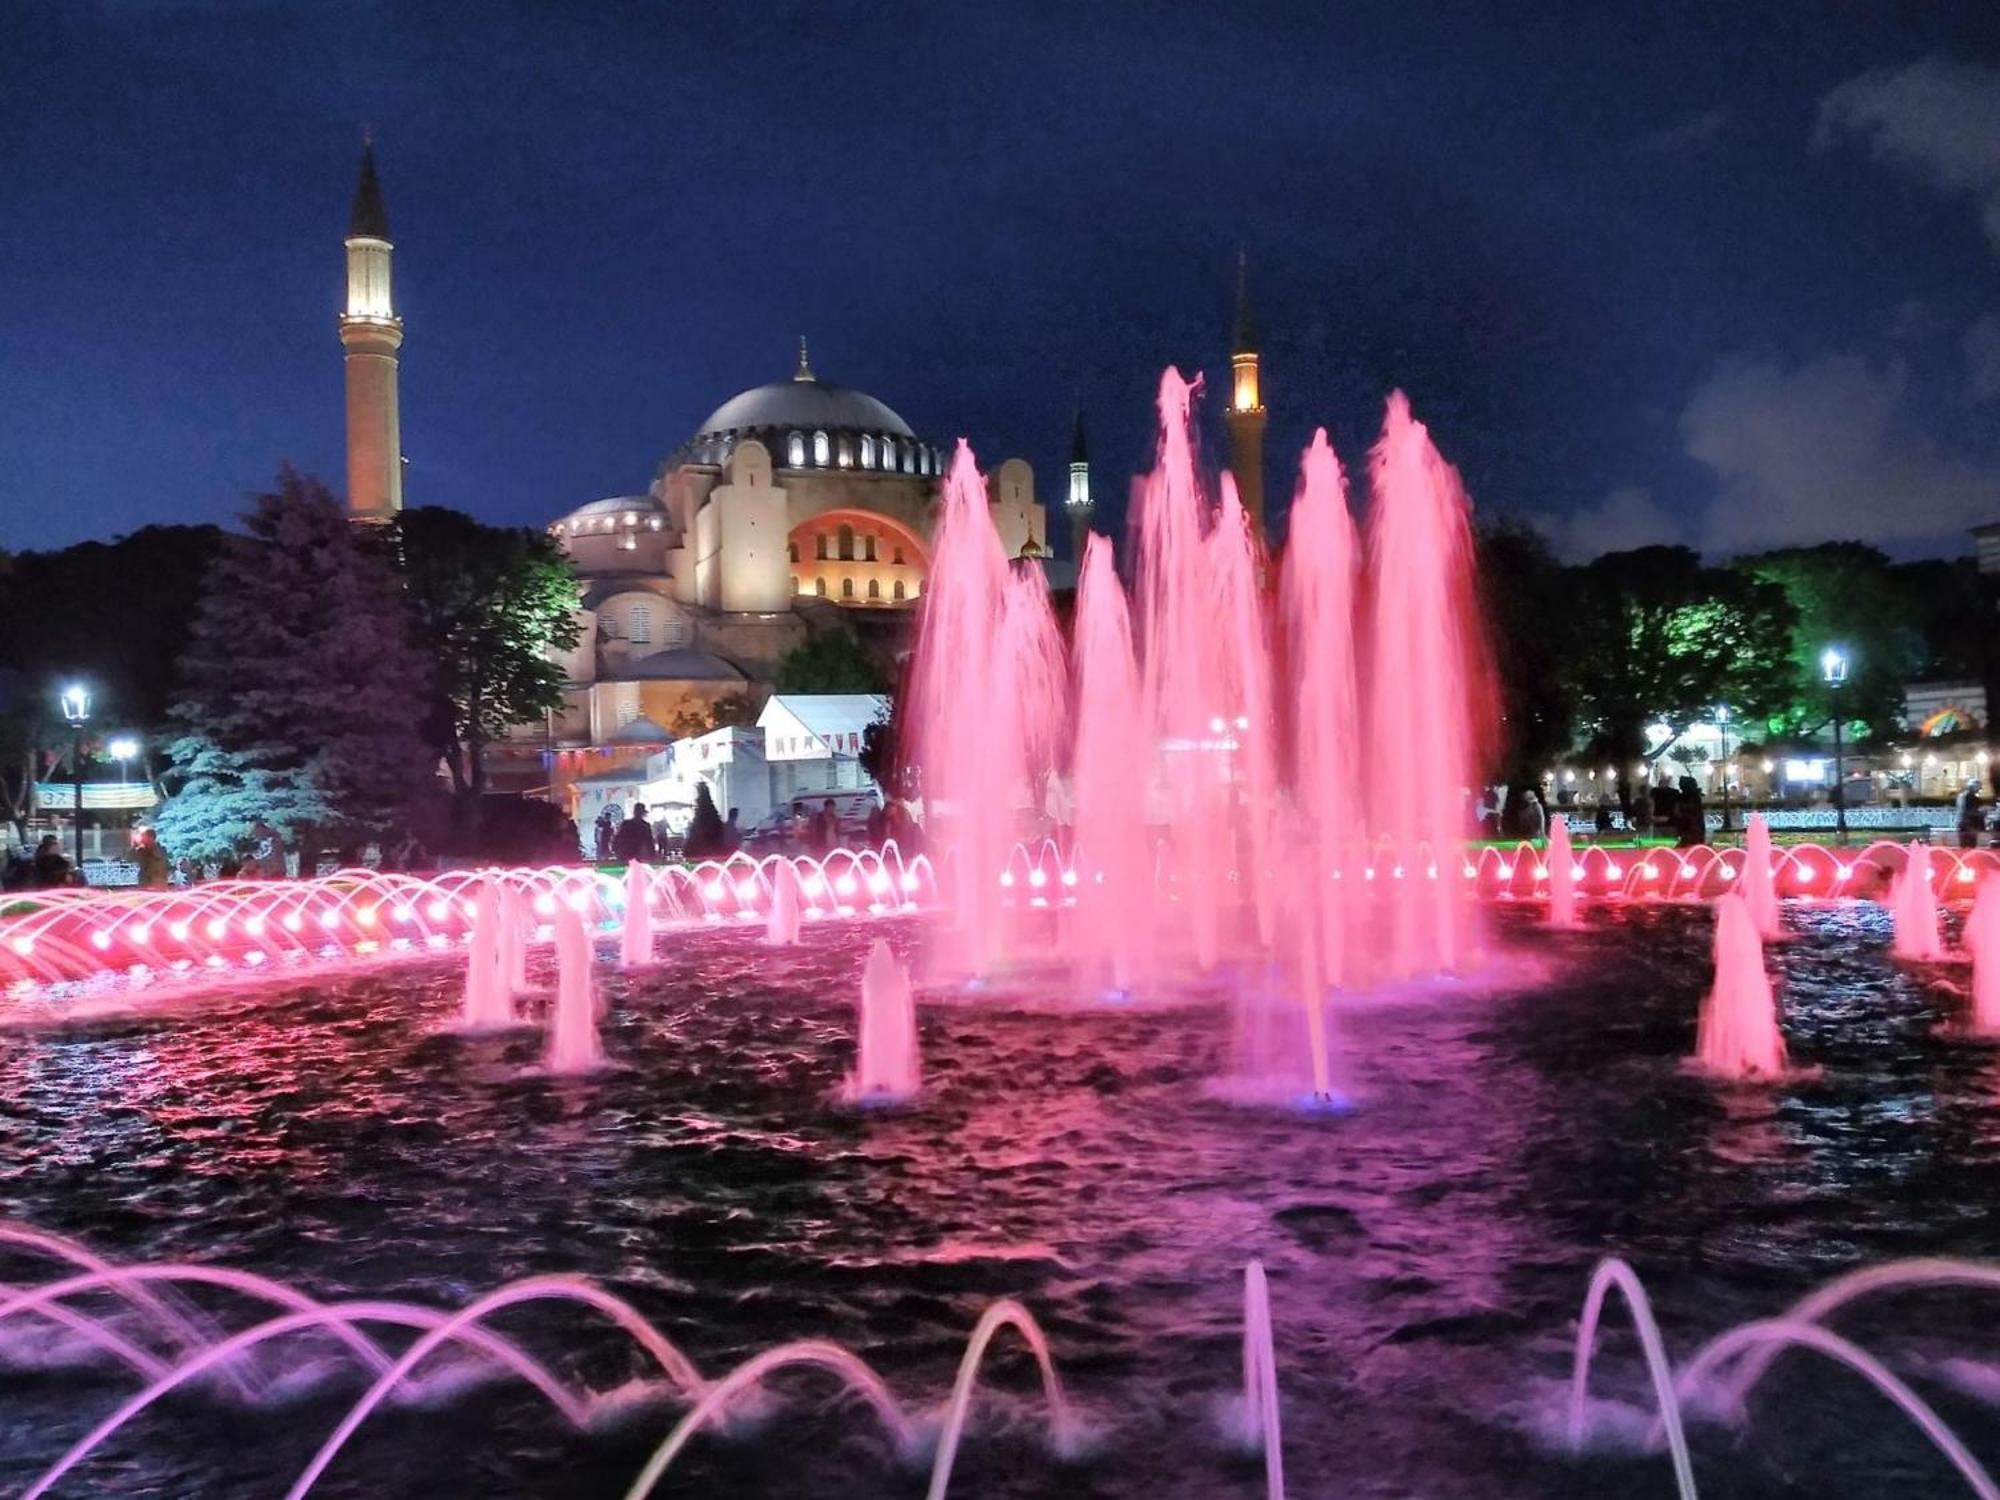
1246	416
371	333
1079	505
804	371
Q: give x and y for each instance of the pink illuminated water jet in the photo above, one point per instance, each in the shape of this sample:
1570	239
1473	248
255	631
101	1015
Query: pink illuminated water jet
1562	875
1738	1035
1759	884
1914	905
635	946
1982	937
886	1066
572	1029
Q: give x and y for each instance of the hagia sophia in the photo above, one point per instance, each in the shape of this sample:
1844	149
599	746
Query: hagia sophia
794	506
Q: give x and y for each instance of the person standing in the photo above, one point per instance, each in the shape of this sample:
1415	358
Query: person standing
634	840
149	857
1970	818
605	832
51	868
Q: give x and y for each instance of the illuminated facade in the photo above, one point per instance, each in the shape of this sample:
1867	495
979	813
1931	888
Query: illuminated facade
371	333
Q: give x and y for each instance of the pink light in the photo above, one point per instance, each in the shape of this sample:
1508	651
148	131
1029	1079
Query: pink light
878	882
545	905
365	916
1471	873
577	900
1069	878
178	932
293	921
437	911
747	892
404	914
844	886
216	928
255	925
812	884
909	880
1845	871
254	957
143	933
24	946
1007	878
100	939
1965	874
1037	878
1506	872
1614	869
713	890
1650	870
1541	873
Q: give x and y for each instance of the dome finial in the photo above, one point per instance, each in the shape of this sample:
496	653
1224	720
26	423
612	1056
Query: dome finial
804	371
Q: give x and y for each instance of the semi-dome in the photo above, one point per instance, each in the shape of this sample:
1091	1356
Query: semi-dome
618	514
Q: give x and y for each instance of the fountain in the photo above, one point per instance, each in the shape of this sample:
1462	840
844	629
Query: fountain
1759	885
1259	1429
781	923
513	940
1914	904
1738	1034
572	1027
1562	876
635	946
886	1066
1982	937
488	1004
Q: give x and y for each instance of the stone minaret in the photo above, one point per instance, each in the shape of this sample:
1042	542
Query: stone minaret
1246	413
1079	505
371	333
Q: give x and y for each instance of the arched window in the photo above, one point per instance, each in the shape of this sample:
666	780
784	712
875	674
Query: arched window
898	592
868	548
822	453
909	458
874	588
846	454
639	624
798	584
847	544
795	450
819	546
847	588
867	451
792	551
674	632
819	587
896	557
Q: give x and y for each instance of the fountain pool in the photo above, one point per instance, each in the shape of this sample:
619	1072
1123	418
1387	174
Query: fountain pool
1425	1255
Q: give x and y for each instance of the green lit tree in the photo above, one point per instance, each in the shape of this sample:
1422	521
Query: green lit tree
302	690
1846	594
1658	638
830	661
489	604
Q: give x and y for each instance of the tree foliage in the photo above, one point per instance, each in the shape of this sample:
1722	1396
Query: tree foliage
1527	603
488	606
830	661
302	691
1661	639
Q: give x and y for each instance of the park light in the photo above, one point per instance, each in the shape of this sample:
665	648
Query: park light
76	704
123	748
1833	666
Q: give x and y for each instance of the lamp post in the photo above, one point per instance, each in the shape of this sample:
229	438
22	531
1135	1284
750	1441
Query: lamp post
122	750
1833	667
76	709
1722	724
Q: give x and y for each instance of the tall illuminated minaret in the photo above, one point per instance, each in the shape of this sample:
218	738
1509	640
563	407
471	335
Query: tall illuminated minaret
1079	505
1246	404
371	333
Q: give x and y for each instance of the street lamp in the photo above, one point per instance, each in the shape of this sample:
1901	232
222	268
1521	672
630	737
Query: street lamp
76	709
1833	667
123	749
1722	724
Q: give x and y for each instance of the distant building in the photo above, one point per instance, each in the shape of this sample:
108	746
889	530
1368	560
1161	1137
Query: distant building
813	742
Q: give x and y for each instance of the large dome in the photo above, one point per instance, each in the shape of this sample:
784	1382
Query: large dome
809	423
808	404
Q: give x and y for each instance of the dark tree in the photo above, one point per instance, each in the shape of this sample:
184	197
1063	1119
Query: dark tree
489	604
830	661
1528	604
704	836
302	689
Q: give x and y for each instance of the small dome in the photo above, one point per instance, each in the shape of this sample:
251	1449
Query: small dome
642	504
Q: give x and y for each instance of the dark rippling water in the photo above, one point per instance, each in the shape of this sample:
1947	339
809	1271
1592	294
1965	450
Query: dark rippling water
1427	1254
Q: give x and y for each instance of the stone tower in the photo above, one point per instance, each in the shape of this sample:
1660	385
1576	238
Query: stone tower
1246	415
1079	505
371	333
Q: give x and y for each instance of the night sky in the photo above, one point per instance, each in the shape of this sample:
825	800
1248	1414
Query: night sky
1727	274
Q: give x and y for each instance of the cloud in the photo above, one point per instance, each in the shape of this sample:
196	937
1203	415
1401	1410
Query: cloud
1622	520
1934	118
1820	452
1686	137
1982	358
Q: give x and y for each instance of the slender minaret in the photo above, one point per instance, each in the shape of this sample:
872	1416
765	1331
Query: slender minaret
1079	505
371	333
1246	405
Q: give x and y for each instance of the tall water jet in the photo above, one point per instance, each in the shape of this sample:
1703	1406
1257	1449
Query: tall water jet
1111	772
886	1067
956	680
1179	673
1738	1034
1982	936
572	1041
781	923
1427	667
1562	875
1260	1429
1317	601
1244	724
514	920
488	1006
1759	887
635	941
1914	905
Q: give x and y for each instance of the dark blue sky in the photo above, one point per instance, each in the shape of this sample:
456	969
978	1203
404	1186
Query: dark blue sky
1727	272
